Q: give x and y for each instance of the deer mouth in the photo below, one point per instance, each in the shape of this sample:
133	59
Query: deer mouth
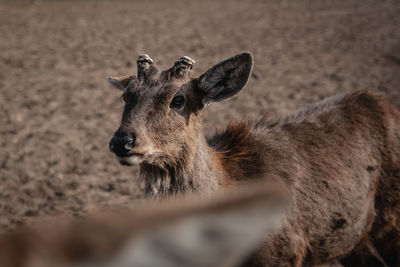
131	160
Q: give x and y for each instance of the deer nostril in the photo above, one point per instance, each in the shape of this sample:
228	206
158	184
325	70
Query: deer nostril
129	145
121	145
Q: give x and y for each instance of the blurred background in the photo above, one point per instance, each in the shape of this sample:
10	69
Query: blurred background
57	112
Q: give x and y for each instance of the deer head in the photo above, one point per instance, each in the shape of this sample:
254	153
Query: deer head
160	123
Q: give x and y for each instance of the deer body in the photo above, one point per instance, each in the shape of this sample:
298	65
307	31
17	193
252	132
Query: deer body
339	159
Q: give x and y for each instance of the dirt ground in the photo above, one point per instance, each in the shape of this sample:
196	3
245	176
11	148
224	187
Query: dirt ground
57	112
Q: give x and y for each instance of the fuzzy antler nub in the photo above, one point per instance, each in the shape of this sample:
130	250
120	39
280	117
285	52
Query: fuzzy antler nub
183	66
144	63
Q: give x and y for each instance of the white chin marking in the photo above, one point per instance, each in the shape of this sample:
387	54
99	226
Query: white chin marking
131	160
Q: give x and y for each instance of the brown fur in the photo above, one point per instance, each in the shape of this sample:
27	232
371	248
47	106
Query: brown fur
234	149
339	158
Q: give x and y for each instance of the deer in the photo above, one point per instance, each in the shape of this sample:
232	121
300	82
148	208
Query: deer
186	231
338	158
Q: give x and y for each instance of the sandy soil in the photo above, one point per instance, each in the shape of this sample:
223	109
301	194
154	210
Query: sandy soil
57	112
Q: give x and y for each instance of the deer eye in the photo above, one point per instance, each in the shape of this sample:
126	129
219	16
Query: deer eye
178	102
123	97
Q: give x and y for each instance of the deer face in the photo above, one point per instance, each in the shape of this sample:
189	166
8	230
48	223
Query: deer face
160	123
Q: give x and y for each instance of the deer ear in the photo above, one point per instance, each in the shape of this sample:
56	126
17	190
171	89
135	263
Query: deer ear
122	81
219	235
226	78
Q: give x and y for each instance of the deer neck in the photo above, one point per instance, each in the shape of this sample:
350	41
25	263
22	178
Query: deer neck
200	173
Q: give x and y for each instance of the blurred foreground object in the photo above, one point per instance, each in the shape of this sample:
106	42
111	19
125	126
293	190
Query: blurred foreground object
182	232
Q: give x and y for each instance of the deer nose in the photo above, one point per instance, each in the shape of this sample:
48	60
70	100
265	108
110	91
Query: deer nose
121	145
